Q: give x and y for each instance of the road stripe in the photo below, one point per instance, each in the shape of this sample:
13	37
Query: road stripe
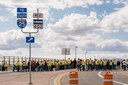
60	77
57	80
121	83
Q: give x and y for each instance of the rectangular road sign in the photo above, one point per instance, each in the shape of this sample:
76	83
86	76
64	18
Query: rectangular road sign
30	40
21	15
21	9
65	51
37	15
38	26
37	21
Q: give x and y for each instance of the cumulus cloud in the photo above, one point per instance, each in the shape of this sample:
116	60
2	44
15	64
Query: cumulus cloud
45	5
113	45
84	3
13	39
120	1
3	19
116	21
76	24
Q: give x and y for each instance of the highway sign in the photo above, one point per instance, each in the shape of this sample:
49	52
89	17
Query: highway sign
21	9
30	39
21	15
37	23
65	51
21	23
38	26
37	15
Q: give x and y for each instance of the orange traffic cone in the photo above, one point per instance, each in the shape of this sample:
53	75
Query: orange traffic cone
108	79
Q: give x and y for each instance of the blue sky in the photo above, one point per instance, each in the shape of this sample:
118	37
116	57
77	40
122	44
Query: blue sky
98	26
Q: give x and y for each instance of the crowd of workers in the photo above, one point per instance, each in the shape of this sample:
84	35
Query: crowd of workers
80	64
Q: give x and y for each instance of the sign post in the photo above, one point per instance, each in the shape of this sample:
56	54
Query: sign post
22	13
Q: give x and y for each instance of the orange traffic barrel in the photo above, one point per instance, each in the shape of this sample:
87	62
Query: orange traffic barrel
108	79
73	78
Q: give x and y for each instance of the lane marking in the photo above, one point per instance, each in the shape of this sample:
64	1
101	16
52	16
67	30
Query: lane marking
60	77
121	83
56	80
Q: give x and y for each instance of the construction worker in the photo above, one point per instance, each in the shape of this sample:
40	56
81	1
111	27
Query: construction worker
14	67
83	65
49	65
114	64
78	65
6	66
87	63
63	64
18	66
118	65
124	64
100	64
97	64
127	63
0	66
24	66
69	63
90	64
110	65
104	65
3	65
57	65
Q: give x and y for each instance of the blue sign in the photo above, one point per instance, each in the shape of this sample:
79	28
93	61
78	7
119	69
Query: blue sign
21	9
21	23
30	39
37	21
21	15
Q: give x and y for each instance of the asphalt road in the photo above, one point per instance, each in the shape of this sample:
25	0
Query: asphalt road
95	78
61	78
22	78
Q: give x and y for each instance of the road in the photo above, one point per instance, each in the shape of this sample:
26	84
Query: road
95	78
22	78
61	78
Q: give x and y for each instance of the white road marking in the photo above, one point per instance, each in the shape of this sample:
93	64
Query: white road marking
121	83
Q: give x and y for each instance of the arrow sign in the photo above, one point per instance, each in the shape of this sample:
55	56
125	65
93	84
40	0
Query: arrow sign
30	40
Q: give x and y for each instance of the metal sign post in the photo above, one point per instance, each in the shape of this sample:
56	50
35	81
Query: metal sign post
29	39
76	52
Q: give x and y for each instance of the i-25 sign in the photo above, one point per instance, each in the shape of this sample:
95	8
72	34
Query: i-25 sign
21	23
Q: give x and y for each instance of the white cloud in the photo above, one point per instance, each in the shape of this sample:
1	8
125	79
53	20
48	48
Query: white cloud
113	45
116	21
46	5
3	19
76	24
13	39
108	1
120	1
84	3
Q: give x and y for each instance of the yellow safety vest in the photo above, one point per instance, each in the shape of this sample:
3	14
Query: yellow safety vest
115	63
110	63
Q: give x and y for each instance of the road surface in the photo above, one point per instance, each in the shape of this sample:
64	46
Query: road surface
95	78
61	78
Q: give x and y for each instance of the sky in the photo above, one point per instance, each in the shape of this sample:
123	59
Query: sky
97	27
